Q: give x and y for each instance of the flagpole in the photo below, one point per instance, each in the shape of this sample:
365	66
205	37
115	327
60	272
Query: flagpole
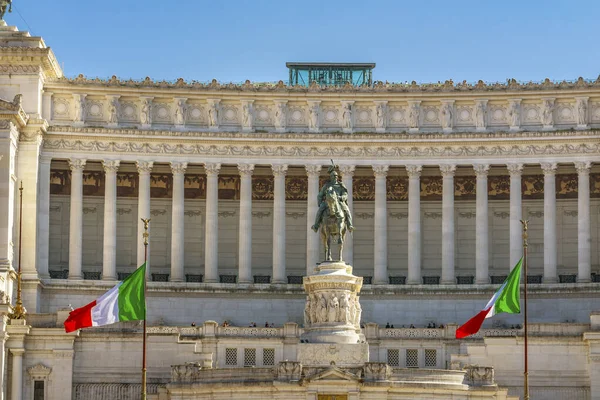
526	372
145	235
19	311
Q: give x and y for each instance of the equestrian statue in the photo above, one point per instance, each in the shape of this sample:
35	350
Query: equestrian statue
333	216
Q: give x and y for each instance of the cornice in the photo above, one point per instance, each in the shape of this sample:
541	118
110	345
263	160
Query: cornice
511	85
21	58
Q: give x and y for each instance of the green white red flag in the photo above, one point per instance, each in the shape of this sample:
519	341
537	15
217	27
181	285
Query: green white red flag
124	302
506	299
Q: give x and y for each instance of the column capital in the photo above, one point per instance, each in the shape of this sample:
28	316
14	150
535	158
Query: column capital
481	169
347	169
144	166
313	170
414	171
548	168
515	169
246	169
178	167
447	170
212	169
380	171
279	169
110	165
77	164
45	159
17	352
583	167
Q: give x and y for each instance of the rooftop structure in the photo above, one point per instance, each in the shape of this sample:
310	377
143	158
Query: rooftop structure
331	74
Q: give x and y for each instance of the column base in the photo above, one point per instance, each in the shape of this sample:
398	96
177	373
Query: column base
550	280
413	281
109	278
176	280
584	280
75	277
482	281
447	283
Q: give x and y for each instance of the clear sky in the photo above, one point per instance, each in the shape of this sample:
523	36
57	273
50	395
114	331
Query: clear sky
234	40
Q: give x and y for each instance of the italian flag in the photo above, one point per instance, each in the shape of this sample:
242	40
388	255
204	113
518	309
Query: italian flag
124	302
506	299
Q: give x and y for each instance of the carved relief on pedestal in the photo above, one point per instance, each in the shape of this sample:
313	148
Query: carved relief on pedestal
289	371
280	117
213	113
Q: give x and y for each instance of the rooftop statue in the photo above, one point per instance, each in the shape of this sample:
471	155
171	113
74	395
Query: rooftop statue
3	5
333	216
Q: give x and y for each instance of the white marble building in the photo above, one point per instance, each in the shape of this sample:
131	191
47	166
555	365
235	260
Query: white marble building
440	176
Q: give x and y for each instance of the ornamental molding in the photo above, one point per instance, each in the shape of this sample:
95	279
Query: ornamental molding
39	372
281	146
192	213
448	86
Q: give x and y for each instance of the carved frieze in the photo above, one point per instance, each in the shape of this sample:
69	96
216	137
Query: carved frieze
60	182
161	186
397	188
194	186
499	187
431	188
262	187
229	187
464	187
363	188
127	184
296	187
533	186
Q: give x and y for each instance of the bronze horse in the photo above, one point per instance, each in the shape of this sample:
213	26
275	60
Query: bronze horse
334	224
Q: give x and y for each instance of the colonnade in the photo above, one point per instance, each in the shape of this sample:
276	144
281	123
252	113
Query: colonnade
380	273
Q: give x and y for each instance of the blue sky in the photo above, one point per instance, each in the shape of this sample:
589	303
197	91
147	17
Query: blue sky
234	40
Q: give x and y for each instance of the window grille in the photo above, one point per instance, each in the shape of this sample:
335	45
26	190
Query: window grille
294	280
393	357
231	357
268	356
412	358
367	280
595	277
498	279
228	278
464	280
160	277
431	280
571	278
38	390
59	274
534	279
262	279
122	275
249	357
193	278
431	358
397	280
90	275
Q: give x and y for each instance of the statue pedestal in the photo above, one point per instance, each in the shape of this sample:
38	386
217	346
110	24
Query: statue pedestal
342	355
332	312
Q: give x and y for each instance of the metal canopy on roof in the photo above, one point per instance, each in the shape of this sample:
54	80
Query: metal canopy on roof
330	74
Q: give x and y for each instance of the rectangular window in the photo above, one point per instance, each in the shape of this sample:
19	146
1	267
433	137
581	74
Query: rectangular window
431	358
231	357
268	356
38	390
249	357
412	358
393	357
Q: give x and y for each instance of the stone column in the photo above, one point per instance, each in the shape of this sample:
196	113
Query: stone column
16	388
583	222
43	233
211	235
109	253
312	238
76	219
347	172
516	214
47	105
448	171
279	171
178	222
380	276
414	224
245	238
144	168
550	274
481	225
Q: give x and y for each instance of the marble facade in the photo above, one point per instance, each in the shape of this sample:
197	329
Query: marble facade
440	175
